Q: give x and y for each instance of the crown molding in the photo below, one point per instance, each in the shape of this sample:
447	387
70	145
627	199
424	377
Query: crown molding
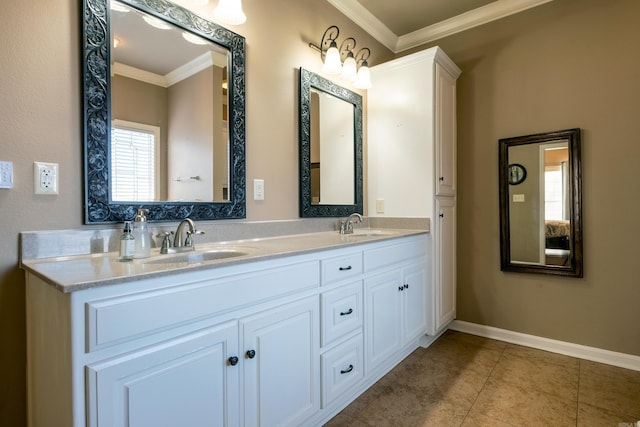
493	11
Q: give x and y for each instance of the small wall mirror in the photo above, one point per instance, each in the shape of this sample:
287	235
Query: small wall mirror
330	148
164	113
541	203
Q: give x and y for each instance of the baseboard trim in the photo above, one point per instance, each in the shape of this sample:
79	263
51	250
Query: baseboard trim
593	354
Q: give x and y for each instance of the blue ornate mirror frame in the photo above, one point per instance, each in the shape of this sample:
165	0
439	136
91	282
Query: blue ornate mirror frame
98	206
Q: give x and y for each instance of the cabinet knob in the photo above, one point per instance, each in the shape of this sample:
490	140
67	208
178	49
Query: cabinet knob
250	354
441	215
233	360
346	371
346	313
406	286
401	288
347	268
442	179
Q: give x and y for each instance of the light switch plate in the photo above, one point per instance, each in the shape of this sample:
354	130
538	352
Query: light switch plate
258	189
6	174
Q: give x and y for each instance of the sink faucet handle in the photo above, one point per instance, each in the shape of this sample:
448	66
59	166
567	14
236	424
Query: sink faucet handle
189	240
166	241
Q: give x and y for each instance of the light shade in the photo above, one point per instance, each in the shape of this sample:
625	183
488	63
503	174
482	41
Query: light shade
157	23
332	60
363	81
349	68
192	38
229	12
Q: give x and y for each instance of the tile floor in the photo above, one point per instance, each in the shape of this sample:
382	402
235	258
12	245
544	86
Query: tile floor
466	380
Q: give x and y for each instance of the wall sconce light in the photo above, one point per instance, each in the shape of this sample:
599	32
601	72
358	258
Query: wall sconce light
342	61
229	12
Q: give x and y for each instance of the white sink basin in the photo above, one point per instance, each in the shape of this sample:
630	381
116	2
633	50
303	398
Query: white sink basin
198	256
367	233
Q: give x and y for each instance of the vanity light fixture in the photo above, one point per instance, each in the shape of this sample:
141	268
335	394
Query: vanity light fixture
229	12
342	61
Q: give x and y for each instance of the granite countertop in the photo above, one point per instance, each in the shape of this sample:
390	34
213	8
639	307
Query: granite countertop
78	272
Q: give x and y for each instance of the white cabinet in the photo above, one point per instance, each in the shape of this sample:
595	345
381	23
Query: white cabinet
412	158
281	375
445	255
396	307
178	382
288	341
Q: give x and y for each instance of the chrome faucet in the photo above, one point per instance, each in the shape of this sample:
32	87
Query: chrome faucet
178	244
346	226
188	241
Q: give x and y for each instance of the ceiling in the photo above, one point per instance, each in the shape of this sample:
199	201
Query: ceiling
404	24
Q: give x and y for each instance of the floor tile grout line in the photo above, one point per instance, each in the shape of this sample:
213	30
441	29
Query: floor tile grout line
483	385
578	396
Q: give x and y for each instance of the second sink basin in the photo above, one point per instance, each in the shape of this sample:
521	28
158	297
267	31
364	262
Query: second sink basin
198	257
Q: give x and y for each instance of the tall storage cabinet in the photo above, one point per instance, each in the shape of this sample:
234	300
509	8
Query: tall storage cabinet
412	161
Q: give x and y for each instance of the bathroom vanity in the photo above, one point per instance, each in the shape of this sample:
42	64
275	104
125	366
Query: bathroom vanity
279	331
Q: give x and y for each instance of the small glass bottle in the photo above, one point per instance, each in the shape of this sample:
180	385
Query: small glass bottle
127	243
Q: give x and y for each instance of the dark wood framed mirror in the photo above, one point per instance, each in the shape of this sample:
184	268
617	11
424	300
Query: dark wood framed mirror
540	179
194	92
330	143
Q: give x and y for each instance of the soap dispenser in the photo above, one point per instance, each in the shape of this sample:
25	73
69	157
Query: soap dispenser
141	234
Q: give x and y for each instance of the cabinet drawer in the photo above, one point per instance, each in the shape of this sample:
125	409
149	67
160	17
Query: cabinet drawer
341	311
115	320
342	368
382	257
342	267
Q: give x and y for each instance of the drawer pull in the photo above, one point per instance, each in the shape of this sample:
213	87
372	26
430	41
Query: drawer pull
346	313
345	268
233	360
251	354
346	371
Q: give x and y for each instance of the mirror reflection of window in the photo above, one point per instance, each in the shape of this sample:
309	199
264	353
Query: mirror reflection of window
134	159
555	178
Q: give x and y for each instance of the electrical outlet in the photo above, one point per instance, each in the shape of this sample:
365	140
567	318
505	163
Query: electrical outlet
6	174
45	178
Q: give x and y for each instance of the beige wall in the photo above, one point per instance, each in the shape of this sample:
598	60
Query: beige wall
569	63
41	120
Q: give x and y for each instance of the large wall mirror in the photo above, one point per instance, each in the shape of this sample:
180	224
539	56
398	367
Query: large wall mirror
330	148
164	107
541	203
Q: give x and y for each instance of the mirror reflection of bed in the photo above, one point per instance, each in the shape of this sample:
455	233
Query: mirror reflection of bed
556	238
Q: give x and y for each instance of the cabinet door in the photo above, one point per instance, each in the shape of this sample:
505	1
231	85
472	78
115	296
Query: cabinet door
445	132
186	381
382	318
281	358
445	256
414	302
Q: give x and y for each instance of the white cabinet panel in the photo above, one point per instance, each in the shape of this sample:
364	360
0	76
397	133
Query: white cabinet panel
383	318
185	381
445	262
415	302
281	359
341	312
342	368
445	131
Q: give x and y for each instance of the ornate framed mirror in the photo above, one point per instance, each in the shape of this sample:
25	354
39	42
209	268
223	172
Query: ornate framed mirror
164	113
330	125
540	180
